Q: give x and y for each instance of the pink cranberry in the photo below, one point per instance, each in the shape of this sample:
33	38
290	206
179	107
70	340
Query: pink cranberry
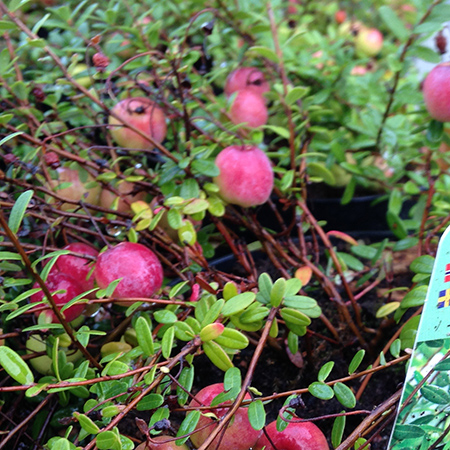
246	175
249	107
436	92
143	114
246	78
369	42
78	267
138	266
60	281
239	434
296	436
340	16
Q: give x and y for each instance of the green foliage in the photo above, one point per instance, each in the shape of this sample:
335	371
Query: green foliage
339	122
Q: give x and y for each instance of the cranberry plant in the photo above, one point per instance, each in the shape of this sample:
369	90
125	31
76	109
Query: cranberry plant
142	144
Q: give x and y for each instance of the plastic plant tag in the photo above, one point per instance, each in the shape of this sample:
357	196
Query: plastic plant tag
422	418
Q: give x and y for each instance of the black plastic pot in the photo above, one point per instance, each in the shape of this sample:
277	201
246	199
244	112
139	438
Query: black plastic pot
360	214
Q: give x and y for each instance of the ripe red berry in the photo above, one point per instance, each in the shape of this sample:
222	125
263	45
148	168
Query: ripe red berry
436	92
100	61
239	434
340	16
143	114
296	436
246	175
60	281
250	108
246	78
138	266
76	266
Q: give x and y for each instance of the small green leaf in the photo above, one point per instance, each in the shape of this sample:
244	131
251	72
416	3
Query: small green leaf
165	316
293	286
232	380
345	395
387	309
18	210
196	205
318	170
338	430
265	286
213	313
175	219
211	331
356	361
7	25
108	440
415	297
287	414
423	264
167	342
277	292
217	355
295	317
144	336
15	366
296	94
264	52
186	233
321	390
183	331
395	348
229	290
231	338
86	423
257	414
186	380
393	22
325	370
110	411
205	167
150	401
188	426
177	288
36	390
292	341
396	225
281	131
238	303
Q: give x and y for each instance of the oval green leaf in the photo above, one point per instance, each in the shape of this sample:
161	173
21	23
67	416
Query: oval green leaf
325	370
345	395
238	303
86	423
277	292
188	426
295	317
18	210
356	361
144	336
338	430
257	414
150	401
321	390
15	366
217	355
232	339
